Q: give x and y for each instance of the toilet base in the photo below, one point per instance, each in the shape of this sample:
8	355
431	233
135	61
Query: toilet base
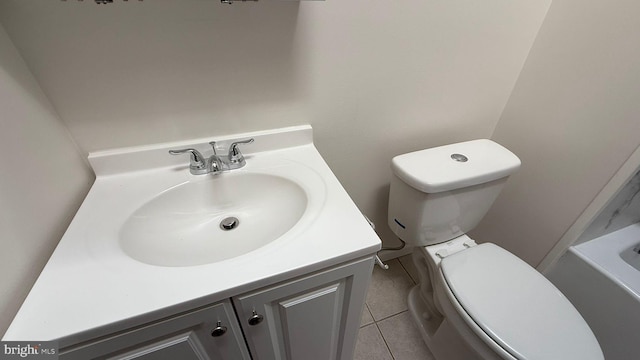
439	336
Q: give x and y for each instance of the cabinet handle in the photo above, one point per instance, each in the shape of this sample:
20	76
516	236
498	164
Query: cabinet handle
219	330
255	319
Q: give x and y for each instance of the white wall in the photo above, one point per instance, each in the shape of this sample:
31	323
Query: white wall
43	180
573	119
375	78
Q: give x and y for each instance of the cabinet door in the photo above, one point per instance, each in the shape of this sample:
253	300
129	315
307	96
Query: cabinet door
315	317
187	336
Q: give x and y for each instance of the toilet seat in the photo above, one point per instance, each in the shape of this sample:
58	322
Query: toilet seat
503	297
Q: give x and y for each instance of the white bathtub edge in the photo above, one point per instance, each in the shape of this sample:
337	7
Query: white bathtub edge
603	254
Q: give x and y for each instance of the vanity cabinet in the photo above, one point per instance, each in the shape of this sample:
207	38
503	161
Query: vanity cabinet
315	317
185	337
311	317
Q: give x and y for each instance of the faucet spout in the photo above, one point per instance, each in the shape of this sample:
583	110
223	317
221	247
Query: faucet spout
216	166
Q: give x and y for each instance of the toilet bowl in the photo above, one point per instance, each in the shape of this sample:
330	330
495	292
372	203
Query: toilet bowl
475	301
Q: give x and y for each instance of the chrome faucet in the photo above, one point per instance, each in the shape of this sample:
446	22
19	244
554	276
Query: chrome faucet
215	164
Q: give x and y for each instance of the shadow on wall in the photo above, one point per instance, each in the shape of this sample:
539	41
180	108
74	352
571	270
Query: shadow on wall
380	218
43	182
13	68
154	63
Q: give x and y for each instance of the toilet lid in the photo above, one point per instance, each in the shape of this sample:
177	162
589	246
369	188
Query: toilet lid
516	306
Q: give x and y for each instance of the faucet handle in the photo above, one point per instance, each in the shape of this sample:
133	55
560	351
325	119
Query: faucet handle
235	156
198	164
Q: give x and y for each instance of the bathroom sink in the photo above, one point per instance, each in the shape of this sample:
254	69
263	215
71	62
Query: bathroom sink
212	218
147	241
632	256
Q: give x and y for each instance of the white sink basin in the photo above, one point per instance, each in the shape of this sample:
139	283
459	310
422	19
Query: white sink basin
182	225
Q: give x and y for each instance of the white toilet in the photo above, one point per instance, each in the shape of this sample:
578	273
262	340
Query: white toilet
475	301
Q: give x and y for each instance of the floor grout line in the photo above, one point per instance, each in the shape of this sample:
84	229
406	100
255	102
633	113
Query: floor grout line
385	340
376	322
407	271
389	316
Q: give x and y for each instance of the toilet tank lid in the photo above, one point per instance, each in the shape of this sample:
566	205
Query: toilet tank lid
516	306
454	166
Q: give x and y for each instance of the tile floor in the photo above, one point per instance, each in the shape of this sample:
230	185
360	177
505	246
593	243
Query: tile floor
387	331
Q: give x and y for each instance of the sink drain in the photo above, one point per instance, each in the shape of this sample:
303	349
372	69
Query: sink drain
229	223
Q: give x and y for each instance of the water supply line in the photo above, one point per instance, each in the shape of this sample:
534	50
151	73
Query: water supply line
377	258
380	263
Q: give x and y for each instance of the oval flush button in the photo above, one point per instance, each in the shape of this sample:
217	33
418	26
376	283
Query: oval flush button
459	157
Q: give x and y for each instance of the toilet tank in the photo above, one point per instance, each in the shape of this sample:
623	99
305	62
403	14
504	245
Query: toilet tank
440	193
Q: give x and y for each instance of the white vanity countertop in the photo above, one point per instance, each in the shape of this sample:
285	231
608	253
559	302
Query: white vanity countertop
90	286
